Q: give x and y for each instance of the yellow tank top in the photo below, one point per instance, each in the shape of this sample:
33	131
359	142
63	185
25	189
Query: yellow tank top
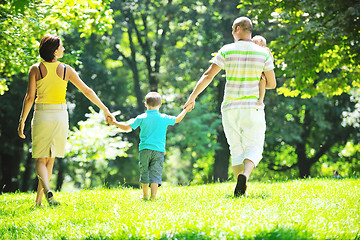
51	89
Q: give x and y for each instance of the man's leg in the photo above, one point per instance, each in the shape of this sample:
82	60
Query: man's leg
248	167
238	169
242	173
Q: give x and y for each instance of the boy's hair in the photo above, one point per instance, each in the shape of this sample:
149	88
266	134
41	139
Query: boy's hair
153	99
260	40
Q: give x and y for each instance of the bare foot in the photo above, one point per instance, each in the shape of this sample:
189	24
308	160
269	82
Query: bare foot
143	198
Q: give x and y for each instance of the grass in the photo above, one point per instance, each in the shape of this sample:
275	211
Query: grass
299	209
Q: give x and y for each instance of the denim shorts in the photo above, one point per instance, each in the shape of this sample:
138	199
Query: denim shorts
151	166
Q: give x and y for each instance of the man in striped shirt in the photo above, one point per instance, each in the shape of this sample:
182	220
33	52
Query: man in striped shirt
243	120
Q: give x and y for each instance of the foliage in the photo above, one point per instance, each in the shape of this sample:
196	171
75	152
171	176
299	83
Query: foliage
190	146
320	53
123	49
23	25
302	132
299	209
91	148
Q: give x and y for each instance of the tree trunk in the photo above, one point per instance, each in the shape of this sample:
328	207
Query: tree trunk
304	168
27	173
137	90
10	166
222	155
60	175
303	162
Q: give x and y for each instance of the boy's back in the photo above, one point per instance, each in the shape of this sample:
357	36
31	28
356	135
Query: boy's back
153	126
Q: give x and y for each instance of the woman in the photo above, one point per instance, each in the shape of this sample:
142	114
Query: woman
50	121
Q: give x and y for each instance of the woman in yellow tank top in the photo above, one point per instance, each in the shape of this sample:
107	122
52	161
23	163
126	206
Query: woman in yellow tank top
49	80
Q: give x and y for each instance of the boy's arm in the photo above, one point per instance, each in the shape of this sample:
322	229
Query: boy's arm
183	113
122	126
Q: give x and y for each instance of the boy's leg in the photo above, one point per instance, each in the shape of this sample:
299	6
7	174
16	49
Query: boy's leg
155	171
145	188
154	187
144	157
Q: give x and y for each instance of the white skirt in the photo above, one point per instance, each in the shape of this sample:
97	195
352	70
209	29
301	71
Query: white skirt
49	128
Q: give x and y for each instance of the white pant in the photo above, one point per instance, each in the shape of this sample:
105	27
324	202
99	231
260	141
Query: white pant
245	133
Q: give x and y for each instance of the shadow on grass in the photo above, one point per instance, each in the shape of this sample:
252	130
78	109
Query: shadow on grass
261	195
276	234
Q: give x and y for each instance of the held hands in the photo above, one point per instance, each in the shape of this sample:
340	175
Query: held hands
189	105
109	118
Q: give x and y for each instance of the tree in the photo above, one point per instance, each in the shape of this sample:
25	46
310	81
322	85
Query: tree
24	23
91	149
302	131
22	26
321	53
315	44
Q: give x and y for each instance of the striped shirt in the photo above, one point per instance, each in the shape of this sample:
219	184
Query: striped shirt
243	62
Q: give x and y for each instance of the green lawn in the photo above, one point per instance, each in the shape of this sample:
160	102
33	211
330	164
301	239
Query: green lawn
299	209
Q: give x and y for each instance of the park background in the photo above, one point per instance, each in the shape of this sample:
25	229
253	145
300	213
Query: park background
124	49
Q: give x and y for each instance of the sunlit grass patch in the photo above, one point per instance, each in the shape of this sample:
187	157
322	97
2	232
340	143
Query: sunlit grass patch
299	209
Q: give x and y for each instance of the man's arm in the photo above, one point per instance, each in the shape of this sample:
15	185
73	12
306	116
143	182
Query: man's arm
270	79
204	81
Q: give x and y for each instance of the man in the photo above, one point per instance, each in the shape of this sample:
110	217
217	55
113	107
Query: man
243	120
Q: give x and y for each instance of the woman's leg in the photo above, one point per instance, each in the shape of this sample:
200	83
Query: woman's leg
42	173
44	167
39	195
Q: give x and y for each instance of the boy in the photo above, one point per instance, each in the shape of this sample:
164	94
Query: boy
153	126
261	41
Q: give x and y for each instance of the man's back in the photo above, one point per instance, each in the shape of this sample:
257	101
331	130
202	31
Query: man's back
243	62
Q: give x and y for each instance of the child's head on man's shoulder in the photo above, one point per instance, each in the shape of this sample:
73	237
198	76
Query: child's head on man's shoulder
153	100
259	40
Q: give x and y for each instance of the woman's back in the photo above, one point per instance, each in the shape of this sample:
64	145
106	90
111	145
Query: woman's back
51	89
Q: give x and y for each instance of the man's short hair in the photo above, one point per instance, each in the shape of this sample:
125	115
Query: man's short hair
244	23
153	99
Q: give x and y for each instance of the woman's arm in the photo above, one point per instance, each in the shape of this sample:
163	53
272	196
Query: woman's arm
28	100
89	93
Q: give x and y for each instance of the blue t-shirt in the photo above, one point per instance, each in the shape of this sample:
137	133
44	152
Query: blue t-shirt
153	126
